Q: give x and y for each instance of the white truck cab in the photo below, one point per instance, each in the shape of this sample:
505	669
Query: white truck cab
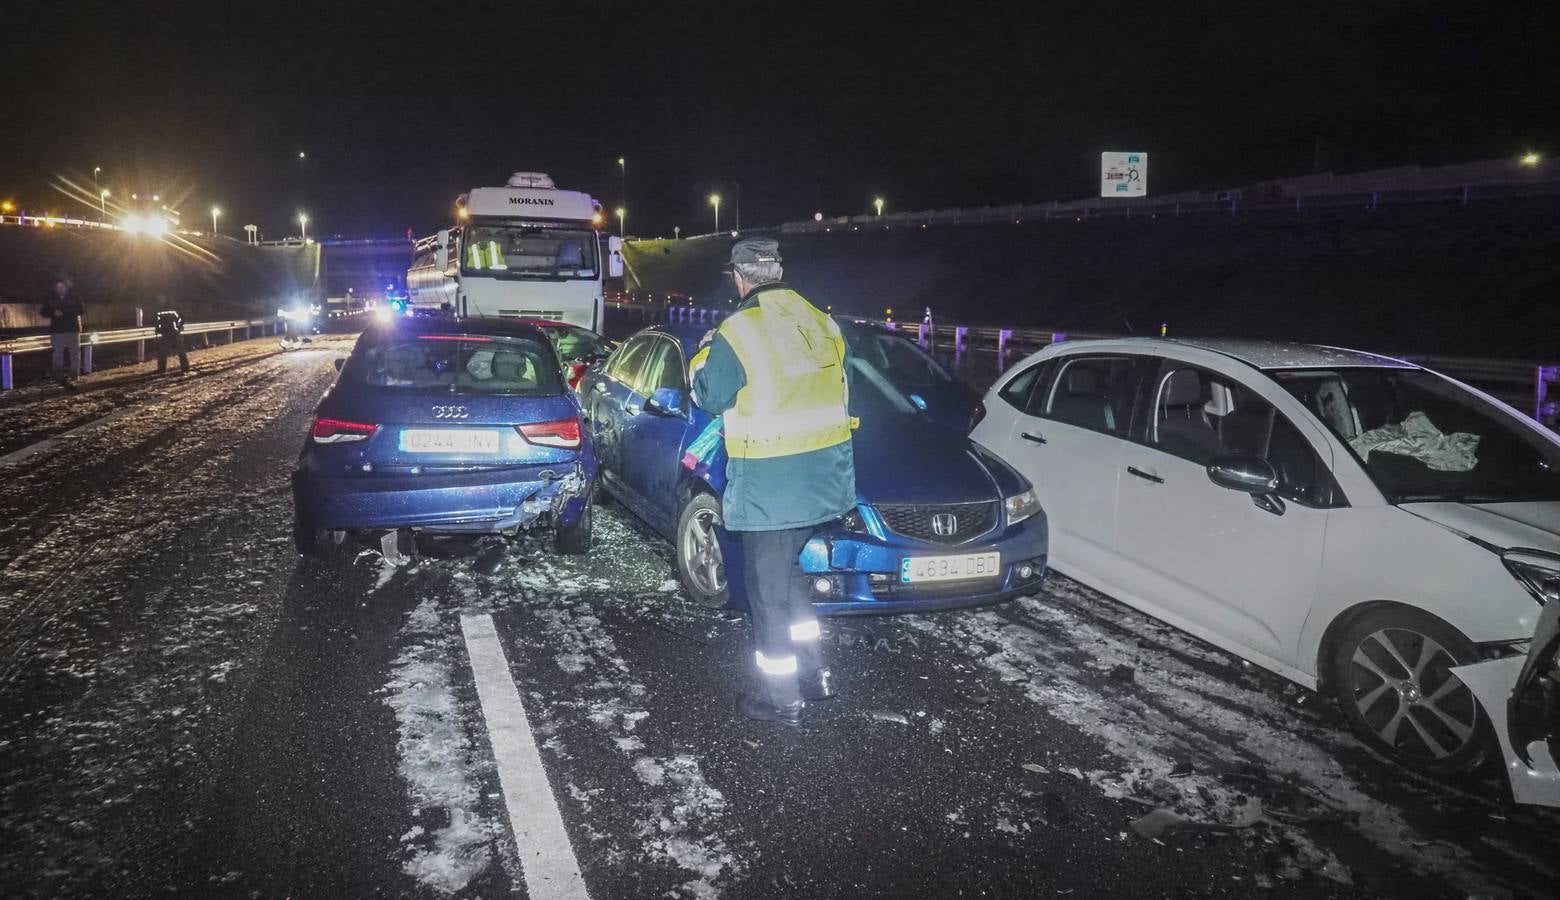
526	250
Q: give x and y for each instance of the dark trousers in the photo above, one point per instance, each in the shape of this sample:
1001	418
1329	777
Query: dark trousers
785	630
167	344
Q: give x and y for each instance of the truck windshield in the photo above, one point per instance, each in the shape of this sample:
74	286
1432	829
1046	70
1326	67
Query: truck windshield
528	251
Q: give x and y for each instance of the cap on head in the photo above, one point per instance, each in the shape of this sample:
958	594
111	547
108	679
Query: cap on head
755	250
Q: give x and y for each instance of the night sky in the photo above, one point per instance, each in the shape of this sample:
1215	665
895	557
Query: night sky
399	108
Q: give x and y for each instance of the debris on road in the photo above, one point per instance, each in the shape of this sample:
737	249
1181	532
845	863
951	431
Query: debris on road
879	715
1036	768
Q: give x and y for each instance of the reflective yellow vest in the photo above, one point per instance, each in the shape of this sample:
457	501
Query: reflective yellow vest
484	255
795	399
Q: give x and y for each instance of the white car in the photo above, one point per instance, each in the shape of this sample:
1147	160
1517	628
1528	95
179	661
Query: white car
1355	523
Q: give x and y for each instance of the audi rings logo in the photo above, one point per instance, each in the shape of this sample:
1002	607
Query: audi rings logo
449	412
945	524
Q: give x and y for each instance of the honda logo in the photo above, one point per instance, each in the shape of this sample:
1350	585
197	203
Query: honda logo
945	524
449	412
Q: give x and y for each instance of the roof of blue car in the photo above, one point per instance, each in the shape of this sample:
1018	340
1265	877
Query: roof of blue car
693	332
474	325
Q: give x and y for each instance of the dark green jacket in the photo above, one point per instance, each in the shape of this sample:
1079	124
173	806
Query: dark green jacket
784	491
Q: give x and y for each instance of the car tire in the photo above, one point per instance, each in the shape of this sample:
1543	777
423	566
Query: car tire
700	566
318	543
574	540
1390	674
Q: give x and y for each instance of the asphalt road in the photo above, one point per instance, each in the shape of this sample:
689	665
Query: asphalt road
187	708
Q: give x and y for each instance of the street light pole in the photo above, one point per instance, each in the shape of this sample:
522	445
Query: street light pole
214	213
623	168
622	215
715	202
303	222
102	206
879	204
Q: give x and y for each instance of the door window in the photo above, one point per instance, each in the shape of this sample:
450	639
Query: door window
625	364
1198	415
1017	391
663	369
1093	392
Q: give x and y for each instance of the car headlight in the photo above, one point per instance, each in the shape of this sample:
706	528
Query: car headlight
1538	570
1021	506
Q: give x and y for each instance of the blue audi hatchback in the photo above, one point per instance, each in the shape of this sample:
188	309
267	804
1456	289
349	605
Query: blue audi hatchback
939	521
446	426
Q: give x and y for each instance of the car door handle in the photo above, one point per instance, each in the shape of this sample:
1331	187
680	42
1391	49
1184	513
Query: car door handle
631	409
1146	476
598	388
1031	437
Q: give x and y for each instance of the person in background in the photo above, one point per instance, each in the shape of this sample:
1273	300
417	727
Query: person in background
169	326
64	310
776	370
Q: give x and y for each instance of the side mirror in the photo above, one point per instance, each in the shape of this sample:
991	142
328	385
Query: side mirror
665	402
444	237
339	362
1243	472
615	258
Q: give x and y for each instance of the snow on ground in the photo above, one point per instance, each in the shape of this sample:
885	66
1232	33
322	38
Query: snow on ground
437	758
681	816
1204	746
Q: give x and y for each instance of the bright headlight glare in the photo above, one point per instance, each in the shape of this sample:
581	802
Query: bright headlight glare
1538	570
1021	506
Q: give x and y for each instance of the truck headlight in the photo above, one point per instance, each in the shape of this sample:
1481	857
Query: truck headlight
1538	570
1021	506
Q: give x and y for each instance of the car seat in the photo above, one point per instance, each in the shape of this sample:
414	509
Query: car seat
1183	426
1081	400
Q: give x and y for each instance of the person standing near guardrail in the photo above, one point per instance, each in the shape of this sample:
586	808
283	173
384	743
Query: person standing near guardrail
64	310
169	326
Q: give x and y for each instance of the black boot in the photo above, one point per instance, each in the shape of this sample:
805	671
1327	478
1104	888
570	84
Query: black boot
817	685
758	709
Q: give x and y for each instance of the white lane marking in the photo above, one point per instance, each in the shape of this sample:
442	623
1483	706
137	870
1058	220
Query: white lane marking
31	450
547	860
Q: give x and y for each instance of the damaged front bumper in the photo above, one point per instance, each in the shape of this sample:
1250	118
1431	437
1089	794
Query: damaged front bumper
1521	695
499	501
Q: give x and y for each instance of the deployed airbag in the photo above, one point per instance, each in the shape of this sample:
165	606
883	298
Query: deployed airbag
1418	438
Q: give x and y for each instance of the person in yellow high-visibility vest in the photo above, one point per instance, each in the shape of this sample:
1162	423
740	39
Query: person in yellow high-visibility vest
775	369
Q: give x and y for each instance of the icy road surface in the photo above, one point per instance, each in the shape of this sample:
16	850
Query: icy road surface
188	709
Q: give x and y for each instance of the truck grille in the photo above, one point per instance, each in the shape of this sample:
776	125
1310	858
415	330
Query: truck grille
923	521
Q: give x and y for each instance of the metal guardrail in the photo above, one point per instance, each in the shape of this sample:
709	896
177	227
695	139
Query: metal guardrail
35	343
1513	381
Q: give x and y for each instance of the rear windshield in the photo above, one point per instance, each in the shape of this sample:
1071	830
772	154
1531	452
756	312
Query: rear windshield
458	365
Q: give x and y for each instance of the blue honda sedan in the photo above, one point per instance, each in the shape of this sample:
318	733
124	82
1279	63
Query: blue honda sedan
939	521
446	425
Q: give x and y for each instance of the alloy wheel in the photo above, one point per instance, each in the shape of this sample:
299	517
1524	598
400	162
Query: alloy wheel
1402	687
701	551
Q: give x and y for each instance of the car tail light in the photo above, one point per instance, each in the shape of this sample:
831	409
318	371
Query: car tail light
564	434
977	415
576	372
340	431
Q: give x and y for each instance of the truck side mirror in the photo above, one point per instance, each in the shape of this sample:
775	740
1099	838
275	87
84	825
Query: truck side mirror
615	261
444	237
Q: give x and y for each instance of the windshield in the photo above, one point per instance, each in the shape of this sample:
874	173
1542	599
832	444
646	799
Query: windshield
1423	438
516	250
872	396
905	365
458	365
577	344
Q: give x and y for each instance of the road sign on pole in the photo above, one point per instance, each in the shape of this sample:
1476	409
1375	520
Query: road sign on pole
1123	174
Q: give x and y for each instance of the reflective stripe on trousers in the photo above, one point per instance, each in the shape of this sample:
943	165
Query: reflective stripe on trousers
775	665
